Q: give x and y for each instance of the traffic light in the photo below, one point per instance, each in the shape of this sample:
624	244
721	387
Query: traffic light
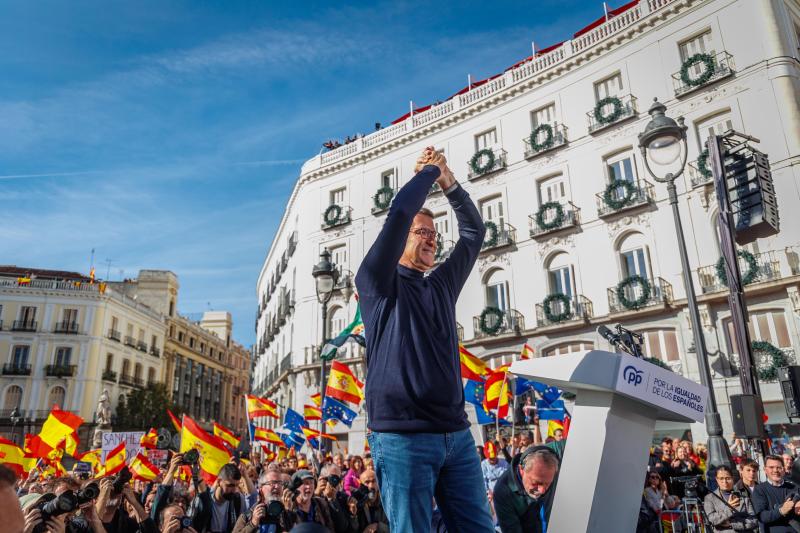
752	194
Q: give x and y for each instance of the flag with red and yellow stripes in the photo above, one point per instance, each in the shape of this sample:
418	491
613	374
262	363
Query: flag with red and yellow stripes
12	457
213	454
343	384
59	427
143	469
175	422
149	440
527	352
115	460
312	412
267	435
260	407
497	393
228	436
472	367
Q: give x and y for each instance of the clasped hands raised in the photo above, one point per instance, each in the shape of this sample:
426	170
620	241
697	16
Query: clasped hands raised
430	156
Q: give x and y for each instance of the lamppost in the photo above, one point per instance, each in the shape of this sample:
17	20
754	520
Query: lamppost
15	418
325	275
663	142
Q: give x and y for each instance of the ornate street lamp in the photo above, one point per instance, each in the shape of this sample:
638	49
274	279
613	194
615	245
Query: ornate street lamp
15	419
325	276
663	143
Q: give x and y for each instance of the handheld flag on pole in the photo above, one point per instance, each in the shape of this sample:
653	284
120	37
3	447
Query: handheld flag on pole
317	399
226	435
472	367
115	460
333	409
55	430
527	352
260	407
312	412
213	454
354	330
143	469
343	384
497	391
12	457
175	422
267	435
149	440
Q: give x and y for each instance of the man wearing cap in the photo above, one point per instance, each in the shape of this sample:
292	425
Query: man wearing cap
492	467
303	505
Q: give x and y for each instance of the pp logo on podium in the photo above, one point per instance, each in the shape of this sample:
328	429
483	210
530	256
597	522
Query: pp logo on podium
632	375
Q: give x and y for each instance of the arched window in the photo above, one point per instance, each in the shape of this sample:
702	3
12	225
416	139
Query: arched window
496	289
56	397
634	257
568	347
13	398
662	344
560	276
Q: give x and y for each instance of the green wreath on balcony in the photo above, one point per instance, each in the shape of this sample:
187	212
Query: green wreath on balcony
383	198
483	323
702	164
778	359
615	113
332	214
710	67
549	139
750	274
619	203
547	305
629	282
492	234
475	162
557	221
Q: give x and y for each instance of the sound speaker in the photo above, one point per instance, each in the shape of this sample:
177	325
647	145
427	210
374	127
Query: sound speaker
789	379
748	416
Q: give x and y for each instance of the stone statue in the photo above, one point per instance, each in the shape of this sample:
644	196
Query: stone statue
103	419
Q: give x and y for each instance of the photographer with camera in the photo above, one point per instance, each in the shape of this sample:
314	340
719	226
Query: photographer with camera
729	509
83	519
330	487
216	509
301	503
269	515
163	492
371	516
174	520
776	501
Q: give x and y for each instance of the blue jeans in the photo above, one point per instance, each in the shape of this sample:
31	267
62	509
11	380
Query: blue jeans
412	468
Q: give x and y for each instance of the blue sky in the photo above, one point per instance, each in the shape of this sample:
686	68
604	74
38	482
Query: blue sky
168	135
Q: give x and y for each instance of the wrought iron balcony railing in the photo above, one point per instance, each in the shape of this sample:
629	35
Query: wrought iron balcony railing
754	268
498	236
460	332
543	138
793	259
132	381
109	375
130	341
486	164
624	198
382	200
14	369
638	293
704	70
561	309
550	220
493	322
59	371
611	111
67	327
24	325
114	335
344	280
155	350
700	172
141	346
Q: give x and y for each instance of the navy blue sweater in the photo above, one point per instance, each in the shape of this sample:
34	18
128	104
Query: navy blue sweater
413	369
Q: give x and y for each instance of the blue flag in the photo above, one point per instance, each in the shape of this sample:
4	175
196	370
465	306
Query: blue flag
488	418
550	411
551	394
293	440
333	409
294	421
474	393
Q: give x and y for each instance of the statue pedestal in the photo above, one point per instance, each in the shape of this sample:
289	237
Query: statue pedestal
619	399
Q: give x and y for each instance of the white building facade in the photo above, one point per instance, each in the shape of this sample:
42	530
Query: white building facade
635	56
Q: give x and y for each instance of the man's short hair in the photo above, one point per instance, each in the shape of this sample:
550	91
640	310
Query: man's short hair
425	211
723	468
262	479
229	472
539	453
751	463
773	458
165	509
326	468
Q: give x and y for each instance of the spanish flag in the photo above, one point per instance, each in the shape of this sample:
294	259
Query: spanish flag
312	412
343	384
143	469
12	457
174	420
92	457
149	440
56	429
497	392
213	454
553	425
472	367
226	435
269	455
313	434
115	460
527	352
260	407
267	435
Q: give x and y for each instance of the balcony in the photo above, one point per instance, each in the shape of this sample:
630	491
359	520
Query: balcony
700	171
59	371
155	350
498	236
610	112
443	250
67	327
703	71
114	335
24	325
109	375
130	341
754	268
292	244
486	161
141	346
460	332
286	363
131	381
335	216
632	296
382	199
553	217
544	138
14	369
344	279
498	322
616	200
560	309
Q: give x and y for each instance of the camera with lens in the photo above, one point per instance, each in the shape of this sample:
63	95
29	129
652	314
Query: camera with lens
362	495
737	493
120	480
88	493
274	510
186	522
334	480
50	506
691	485
191	457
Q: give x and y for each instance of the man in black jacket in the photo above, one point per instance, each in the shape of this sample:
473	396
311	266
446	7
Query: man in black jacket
776	501
216	510
523	496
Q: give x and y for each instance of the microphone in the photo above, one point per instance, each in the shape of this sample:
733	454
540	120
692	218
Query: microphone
608	335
